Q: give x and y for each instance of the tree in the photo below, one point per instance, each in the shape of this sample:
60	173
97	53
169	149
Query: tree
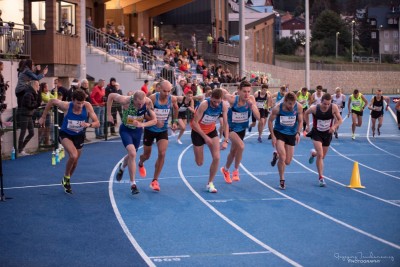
324	30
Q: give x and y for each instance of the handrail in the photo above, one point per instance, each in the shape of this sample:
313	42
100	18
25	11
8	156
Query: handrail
15	40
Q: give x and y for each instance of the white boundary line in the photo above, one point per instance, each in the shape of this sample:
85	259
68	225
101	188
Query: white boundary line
322	213
226	219
122	222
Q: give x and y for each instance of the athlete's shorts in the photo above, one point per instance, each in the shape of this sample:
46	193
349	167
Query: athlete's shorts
198	140
288	139
130	136
77	140
241	134
376	114
358	113
149	136
263	114
182	115
324	137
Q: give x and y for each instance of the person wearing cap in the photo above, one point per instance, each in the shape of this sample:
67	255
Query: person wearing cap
340	100
303	97
356	106
98	104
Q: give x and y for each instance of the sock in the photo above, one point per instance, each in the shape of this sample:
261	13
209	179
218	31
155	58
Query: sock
140	164
321	177
67	177
122	168
226	169
133	183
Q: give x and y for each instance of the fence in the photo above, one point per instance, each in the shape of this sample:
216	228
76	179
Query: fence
15	40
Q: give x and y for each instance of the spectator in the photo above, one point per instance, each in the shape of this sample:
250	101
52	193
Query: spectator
85	87
145	87
168	73
193	39
221	39
98	104
44	133
30	102
179	87
74	86
116	108
59	89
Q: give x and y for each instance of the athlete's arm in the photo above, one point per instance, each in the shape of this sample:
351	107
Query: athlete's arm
175	114
371	104
226	126
349	107
272	117
365	101
387	99
300	122
53	102
151	118
92	115
307	113
338	118
253	106
191	106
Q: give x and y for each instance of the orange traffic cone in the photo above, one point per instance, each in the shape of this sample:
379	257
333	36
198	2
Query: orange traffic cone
355	181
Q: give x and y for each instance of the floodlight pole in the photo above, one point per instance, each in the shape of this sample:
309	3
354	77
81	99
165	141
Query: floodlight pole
242	45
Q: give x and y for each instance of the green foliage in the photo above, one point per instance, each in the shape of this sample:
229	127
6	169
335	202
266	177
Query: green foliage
285	46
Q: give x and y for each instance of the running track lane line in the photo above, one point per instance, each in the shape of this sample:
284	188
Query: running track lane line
369	127
121	220
322	213
226	219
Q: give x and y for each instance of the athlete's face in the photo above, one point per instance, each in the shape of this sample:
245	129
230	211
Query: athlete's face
378	93
189	96
338	93
139	103
325	104
290	104
165	91
78	105
214	102
244	93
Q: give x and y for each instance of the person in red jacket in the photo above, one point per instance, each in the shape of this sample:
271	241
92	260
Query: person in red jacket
97	96
145	87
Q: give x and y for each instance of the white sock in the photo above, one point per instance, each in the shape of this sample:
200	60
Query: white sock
133	182
122	168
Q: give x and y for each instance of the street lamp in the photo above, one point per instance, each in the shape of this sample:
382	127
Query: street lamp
337	36
379	44
352	36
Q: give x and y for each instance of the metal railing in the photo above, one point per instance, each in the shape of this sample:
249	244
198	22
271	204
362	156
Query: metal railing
116	48
15	40
218	49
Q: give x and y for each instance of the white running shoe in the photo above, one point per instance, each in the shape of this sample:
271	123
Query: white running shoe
179	141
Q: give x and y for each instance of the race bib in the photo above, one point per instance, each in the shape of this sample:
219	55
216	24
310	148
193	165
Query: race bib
161	114
75	126
323	125
130	119
239	117
182	109
287	120
356	103
207	119
260	104
378	108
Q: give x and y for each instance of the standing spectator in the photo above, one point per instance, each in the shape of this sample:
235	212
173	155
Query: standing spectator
145	87
30	102
74	86
112	88
60	89
193	39
221	39
168	73
44	132
85	87
98	104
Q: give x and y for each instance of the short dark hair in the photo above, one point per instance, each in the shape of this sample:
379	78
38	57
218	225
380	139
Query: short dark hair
244	84
290	96
326	96
319	87
217	93
264	86
79	95
355	91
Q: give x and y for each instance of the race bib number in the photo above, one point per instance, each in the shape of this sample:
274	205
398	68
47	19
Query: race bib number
182	109
161	114
75	126
356	103
260	104
288	120
207	119
130	119
378	108
323	125
239	117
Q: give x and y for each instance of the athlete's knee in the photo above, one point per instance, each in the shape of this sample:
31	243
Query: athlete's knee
288	161
132	154
199	162
161	154
74	156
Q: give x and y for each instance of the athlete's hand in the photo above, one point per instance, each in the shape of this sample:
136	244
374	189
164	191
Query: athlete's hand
208	141
308	128
332	130
110	119
297	139
348	115
174	126
223	145
160	124
273	140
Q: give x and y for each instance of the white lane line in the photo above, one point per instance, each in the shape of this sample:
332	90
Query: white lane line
244	199
49	185
121	221
322	213
366	166
251	253
168	257
226	219
336	182
369	140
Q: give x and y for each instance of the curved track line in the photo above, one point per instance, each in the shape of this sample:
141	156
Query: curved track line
122	222
369	140
226	219
339	183
322	213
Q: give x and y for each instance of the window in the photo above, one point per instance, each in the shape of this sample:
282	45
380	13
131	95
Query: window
67	12
386	34
390	21
38	9
395	47
386	47
395	34
373	35
373	22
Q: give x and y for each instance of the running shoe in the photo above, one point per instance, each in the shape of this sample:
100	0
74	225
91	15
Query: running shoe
24	153
322	182
259	139
282	184
379	131
179	141
274	158
304	133
211	188
134	189
235	176
227	175
154	185
336	135
373	134
311	159
67	186
119	173
142	170
353	136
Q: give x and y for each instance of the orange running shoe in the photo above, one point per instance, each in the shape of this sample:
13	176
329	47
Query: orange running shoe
235	176
154	185
142	170
227	175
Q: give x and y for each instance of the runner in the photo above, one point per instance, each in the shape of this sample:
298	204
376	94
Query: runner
204	132
136	109
285	134
356	106
376	107
303	97
185	105
316	96
241	106
72	132
398	113
340	100
323	116
162	101
264	101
